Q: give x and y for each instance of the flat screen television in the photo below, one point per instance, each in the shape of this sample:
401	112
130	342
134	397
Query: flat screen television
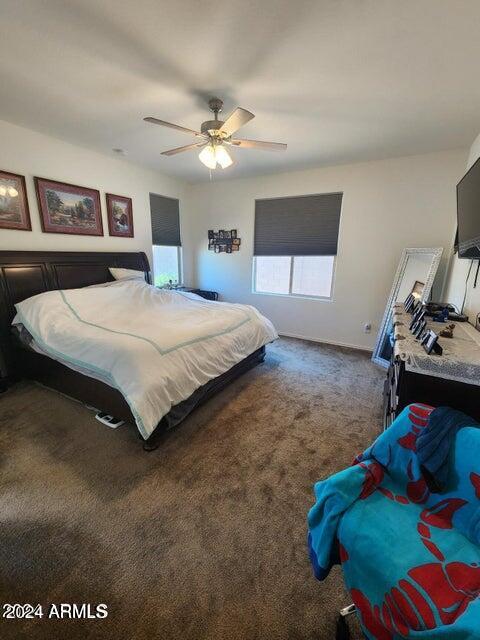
468	213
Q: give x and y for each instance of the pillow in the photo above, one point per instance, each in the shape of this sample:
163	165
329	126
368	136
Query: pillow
126	274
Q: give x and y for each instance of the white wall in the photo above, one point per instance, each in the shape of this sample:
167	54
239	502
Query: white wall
33	154
387	205
457	285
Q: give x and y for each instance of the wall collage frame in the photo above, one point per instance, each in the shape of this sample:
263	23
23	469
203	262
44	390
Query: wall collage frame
223	241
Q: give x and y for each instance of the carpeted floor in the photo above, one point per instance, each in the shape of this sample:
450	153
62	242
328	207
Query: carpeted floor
203	538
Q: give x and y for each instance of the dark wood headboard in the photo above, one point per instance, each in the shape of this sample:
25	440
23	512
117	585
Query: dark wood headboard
26	273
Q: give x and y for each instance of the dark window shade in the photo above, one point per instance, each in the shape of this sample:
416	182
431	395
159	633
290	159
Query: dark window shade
165	221
298	226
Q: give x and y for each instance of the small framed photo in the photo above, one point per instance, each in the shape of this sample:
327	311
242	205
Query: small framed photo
228	248
420	329
227	234
120	216
210	234
430	342
14	212
233	233
236	241
417	315
235	247
217	248
68	208
409	302
416	307
221	233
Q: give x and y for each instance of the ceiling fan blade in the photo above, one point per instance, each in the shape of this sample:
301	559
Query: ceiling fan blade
172	126
259	144
235	120
188	147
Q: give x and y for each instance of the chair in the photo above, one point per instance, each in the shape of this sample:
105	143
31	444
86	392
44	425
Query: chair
410	555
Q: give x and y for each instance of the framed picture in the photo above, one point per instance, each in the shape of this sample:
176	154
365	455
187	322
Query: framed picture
120	216
67	208
409	302
415	306
418	315
429	343
223	240
420	330
14	212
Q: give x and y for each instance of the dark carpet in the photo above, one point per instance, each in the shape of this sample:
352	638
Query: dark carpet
203	538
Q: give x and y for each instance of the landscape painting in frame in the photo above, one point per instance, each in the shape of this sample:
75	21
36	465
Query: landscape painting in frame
120	216
67	208
14	213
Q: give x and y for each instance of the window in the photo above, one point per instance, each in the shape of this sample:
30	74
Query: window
166	265
167	250
295	244
310	276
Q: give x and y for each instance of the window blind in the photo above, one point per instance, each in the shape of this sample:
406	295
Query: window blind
298	226
165	221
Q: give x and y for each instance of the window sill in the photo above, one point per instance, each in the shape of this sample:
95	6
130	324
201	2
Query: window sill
295	296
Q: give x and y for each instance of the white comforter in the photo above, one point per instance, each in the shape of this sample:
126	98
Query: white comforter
156	347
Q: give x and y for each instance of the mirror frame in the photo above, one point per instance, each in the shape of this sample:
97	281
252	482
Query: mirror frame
436	253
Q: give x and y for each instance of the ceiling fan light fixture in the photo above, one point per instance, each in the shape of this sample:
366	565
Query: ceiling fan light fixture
214	154
208	156
224	159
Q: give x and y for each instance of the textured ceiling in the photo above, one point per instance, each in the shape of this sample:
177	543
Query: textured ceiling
339	81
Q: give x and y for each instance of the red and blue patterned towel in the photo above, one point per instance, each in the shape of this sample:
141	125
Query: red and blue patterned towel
410	557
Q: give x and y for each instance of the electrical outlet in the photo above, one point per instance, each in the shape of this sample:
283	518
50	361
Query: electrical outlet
367	327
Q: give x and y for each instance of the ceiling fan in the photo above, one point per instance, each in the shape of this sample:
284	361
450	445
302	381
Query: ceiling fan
215	135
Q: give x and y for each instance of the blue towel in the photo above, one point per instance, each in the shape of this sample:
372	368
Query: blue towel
434	443
410	558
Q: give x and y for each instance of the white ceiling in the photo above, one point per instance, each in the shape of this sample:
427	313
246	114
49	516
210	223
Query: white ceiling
338	80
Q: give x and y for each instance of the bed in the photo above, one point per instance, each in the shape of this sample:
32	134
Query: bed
225	341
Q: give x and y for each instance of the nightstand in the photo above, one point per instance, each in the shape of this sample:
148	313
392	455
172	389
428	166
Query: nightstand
208	295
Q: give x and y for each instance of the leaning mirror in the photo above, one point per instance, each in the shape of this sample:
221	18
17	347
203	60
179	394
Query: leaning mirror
415	274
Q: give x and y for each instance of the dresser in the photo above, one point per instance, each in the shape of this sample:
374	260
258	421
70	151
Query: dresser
451	379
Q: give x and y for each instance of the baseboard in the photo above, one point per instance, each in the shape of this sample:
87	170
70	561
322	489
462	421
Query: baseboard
335	344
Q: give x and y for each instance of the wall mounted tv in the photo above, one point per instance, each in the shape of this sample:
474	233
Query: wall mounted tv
468	213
